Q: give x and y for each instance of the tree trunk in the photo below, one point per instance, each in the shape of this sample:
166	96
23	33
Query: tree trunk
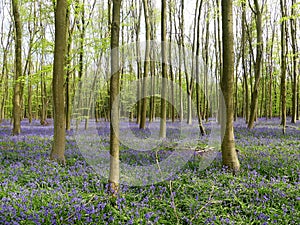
4	71
198	97
137	27
206	63
32	29
29	88
29	100
146	66
114	173
43	75
229	155
270	114
171	7
220	62
179	42
262	96
163	128
152	99
43	115
189	81
18	69
58	148
295	66
283	65
68	77
298	98
217	57
266	95
152	64
257	66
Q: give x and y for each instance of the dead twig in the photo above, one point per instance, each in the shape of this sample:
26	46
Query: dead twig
210	201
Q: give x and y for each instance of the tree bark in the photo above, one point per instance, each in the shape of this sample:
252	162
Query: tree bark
43	107
18	69
220	53
32	29
257	65
178	39
58	148
68	73
171	72
146	66
137	27
198	97
4	70
295	66
271	75
152	65
114	173
298	98
206	64
163	128
283	65
229	155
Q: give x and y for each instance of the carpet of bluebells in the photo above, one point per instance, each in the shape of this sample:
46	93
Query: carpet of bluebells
35	190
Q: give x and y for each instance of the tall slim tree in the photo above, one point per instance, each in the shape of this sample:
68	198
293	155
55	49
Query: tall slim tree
152	63
32	29
257	64
170	53
18	69
198	97
5	45
178	31
43	86
59	142
229	155
114	173
244	63
146	65
283	64
271	71
137	14
188	80
163	112
295	66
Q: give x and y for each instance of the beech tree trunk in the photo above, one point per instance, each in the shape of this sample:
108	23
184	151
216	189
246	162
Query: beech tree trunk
271	75
189	80
4	71
163	128
295	66
229	155
152	64
114	173
59	142
178	39
68	74
283	65
198	97
146	66
137	27
18	69
43	106
171	72
257	66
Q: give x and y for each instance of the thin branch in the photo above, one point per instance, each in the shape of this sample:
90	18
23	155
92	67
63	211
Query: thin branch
252	9
210	201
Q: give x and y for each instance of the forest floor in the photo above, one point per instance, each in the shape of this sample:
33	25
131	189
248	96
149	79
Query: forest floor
34	190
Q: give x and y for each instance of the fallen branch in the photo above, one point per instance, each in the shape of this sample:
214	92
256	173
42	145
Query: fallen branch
210	201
